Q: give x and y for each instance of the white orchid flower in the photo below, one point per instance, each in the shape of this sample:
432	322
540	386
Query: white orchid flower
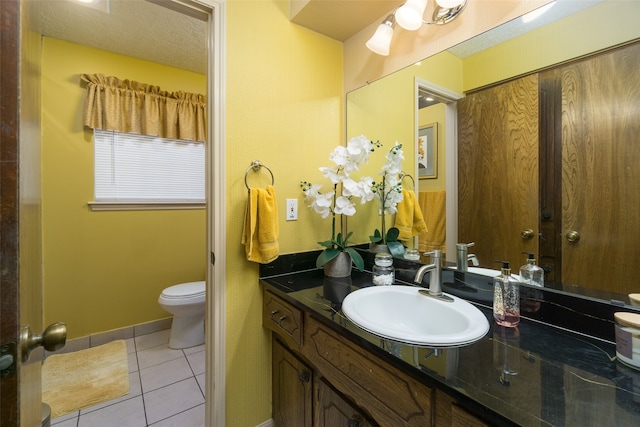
344	206
339	155
335	175
322	204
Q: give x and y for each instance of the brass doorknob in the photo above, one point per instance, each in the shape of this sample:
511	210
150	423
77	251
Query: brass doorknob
573	236
53	338
527	234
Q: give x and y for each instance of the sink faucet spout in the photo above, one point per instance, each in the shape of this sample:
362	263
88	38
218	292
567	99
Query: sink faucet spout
435	273
463	257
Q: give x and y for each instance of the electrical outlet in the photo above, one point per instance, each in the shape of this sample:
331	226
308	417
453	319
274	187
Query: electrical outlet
292	209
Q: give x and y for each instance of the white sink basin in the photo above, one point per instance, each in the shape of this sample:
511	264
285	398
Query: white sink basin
483	271
400	313
487	272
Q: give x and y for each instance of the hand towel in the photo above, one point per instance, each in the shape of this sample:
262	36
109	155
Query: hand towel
433	204
409	218
261	228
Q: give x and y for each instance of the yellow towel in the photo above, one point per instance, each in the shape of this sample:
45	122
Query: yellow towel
433	204
261	228
409	218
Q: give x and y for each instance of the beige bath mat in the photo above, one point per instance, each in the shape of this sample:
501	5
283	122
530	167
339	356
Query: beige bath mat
84	378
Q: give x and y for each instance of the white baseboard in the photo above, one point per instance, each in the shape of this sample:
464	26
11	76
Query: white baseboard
268	423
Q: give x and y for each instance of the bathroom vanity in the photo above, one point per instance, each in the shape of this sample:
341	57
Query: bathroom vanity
327	371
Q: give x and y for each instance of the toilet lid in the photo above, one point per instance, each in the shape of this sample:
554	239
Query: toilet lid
185	290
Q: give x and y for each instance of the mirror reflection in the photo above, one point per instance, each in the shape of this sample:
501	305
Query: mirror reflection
532	117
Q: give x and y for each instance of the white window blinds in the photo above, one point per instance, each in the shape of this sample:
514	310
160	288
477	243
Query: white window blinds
139	168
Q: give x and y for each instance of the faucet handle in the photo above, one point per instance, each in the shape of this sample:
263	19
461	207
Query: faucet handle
436	253
463	246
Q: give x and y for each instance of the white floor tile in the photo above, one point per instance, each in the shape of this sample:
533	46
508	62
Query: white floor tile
73	422
129	413
191	418
165	374
201	382
168	401
195	349
157	355
197	361
154	339
133	362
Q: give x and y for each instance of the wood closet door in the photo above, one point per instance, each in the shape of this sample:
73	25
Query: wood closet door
498	171
601	170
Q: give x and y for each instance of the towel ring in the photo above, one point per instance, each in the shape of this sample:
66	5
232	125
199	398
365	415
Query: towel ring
256	165
406	175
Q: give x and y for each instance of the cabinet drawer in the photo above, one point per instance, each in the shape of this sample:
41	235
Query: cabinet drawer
282	318
391	397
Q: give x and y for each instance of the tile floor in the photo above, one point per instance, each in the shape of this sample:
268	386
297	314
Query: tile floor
166	389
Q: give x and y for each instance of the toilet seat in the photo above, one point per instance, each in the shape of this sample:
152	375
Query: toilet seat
190	290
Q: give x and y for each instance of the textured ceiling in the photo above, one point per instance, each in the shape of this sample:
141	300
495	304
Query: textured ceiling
145	30
134	28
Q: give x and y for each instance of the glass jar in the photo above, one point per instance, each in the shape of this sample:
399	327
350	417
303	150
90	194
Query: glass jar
628	338
383	271
412	254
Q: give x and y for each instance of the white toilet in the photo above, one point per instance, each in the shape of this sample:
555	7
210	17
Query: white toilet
186	302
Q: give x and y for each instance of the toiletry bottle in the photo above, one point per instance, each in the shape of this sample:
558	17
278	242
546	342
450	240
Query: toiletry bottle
506	298
530	273
383	271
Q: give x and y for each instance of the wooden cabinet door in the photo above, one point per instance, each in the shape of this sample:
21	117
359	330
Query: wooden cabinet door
332	410
498	171
292	399
600	170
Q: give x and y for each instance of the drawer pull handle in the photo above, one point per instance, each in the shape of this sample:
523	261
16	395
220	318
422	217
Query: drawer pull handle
273	313
281	319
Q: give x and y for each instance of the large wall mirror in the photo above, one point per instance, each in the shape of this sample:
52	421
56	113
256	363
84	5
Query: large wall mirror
570	31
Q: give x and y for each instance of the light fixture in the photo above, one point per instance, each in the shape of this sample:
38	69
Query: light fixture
410	16
381	39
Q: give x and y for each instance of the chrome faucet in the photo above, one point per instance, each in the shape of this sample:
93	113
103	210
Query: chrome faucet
435	276
463	257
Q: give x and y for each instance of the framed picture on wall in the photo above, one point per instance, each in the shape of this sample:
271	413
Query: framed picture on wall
428	151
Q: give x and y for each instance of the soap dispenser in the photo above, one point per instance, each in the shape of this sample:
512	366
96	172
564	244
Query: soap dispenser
530	273
506	298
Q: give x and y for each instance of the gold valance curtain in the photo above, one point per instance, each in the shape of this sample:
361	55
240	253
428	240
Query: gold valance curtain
130	107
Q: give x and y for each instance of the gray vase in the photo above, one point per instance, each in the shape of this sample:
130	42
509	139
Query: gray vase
340	266
377	248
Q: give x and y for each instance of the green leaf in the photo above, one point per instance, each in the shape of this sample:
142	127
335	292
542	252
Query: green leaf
327	244
356	258
377	237
326	256
396	248
392	234
344	243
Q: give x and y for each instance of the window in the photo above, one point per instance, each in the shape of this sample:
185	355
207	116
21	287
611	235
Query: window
146	170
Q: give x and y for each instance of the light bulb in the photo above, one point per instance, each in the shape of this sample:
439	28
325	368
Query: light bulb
409	15
449	4
381	40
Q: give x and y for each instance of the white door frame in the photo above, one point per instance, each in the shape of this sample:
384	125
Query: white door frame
451	150
215	322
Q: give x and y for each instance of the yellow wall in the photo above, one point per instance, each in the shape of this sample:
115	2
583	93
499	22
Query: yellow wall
568	38
283	107
385	110
104	270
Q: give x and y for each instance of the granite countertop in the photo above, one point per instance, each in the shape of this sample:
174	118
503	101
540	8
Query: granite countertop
532	375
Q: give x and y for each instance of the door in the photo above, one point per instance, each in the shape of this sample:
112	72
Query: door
498	171
20	233
601	177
